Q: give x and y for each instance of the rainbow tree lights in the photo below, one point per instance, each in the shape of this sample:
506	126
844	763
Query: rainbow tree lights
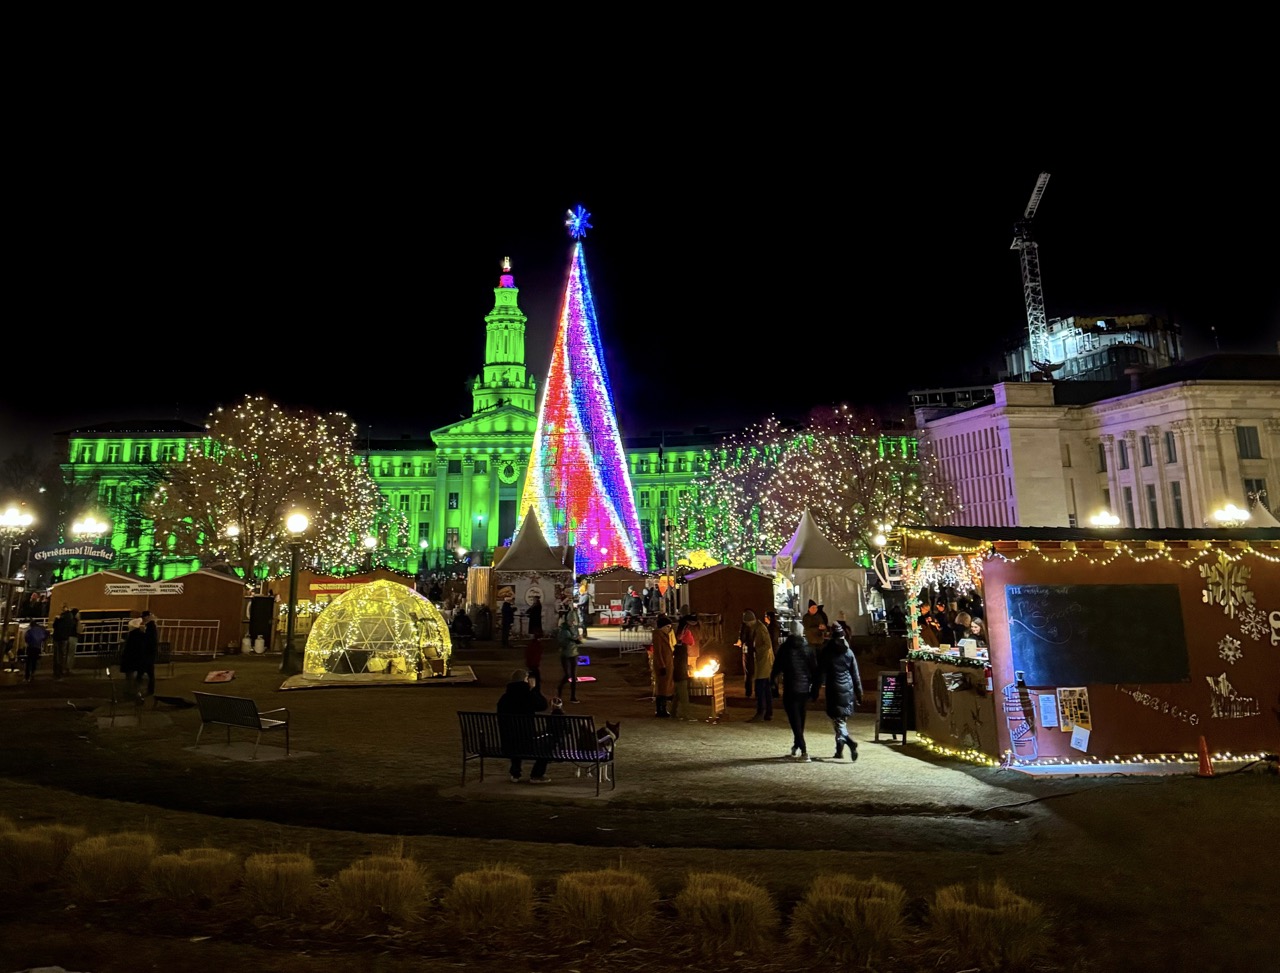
577	482
229	499
854	476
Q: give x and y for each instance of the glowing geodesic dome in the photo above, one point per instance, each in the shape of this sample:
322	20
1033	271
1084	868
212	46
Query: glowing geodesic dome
381	628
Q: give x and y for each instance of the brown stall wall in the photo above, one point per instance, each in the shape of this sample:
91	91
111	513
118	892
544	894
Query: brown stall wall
1232	697
956	712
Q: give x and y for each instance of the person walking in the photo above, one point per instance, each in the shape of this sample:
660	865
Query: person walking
522	696
762	646
664	685
838	671
680	668
36	635
584	608
569	643
796	664
533	660
508	617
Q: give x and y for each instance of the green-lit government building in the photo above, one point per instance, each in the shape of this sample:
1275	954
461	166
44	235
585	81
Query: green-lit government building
459	488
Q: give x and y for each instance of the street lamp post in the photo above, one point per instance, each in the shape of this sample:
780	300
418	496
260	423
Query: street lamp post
297	525
12	523
369	542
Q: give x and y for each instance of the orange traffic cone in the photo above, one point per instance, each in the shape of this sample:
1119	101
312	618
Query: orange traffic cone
1206	765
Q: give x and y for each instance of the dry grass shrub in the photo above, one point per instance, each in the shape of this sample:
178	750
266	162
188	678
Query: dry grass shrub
379	885
990	926
33	855
278	883
724	912
108	864
193	874
868	913
496	897
605	902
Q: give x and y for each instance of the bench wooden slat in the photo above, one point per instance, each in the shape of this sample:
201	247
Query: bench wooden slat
240	711
556	738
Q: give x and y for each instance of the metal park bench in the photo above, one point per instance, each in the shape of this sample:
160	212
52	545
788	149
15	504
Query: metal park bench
237	711
554	737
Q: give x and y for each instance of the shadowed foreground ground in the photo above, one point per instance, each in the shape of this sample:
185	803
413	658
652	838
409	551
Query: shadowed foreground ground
1137	872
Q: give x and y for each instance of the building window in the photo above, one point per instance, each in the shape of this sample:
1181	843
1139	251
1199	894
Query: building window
453	501
663	499
133	532
1175	492
644	466
84	454
113	453
142	453
1123	452
482	466
1170	448
108	496
1106	500
455	466
424	533
1153	511
1102	457
1145	443
644	499
1128	507
404	503
1066	455
452	539
1073	520
1247	442
680	465
1255	491
424	502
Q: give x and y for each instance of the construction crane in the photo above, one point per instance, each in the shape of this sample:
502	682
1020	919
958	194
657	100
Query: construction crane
1032	290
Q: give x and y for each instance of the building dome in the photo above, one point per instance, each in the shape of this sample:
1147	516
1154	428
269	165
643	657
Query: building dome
381	628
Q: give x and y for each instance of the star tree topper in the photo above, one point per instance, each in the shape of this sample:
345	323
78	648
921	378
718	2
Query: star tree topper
576	221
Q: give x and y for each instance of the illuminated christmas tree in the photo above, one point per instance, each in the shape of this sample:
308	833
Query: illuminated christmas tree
577	481
229	497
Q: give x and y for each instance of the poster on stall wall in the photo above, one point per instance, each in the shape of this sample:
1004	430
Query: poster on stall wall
1080	739
1073	707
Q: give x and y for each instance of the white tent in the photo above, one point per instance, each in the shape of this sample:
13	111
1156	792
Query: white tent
825	574
529	566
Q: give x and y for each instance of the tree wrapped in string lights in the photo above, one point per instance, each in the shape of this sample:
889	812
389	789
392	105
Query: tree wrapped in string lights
852	473
228	499
577	482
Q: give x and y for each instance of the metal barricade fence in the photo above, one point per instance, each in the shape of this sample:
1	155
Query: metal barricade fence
100	641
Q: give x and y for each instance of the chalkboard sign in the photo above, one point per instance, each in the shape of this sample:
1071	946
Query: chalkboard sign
893	696
1079	635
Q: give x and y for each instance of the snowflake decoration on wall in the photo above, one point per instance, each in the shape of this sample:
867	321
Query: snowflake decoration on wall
1229	649
1225	585
1253	622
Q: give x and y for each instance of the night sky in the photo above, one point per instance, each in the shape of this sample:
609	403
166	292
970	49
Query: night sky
728	287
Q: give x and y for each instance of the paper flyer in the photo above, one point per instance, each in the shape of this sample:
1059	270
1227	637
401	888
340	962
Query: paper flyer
1080	739
1048	709
1073	708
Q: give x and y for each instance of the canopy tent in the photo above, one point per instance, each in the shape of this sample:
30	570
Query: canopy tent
826	575
530	566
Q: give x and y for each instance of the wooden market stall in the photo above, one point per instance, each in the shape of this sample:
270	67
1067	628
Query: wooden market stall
1110	644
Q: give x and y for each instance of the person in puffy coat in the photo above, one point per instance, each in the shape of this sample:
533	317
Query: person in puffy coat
797	664
838	672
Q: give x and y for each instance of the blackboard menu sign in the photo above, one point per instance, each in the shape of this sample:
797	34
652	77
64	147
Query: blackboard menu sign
1080	635
889	711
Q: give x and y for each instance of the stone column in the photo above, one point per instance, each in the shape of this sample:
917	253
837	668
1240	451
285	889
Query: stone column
1131	444
1162	489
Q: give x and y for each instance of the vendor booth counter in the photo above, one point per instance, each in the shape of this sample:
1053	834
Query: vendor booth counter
954	708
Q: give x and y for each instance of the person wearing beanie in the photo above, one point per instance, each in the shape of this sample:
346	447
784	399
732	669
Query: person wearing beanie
522	696
815	625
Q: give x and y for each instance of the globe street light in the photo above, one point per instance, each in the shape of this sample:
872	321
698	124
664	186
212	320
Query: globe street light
13	523
297	525
1229	515
1104	518
89	528
369	542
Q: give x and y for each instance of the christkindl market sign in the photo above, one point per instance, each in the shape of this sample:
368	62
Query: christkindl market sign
142	588
74	552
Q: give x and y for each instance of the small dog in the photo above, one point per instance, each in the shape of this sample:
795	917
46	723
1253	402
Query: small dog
606	737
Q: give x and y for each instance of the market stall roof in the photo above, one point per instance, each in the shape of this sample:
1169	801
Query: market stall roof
530	551
953	541
810	548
